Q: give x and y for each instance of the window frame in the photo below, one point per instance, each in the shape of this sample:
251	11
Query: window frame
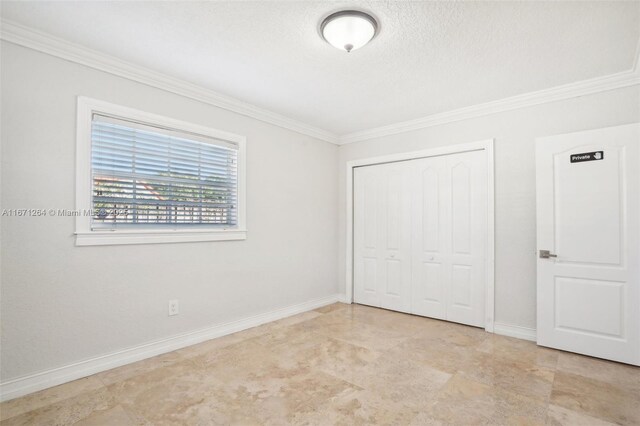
86	236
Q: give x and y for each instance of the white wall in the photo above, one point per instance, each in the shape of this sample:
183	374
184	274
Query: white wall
62	303
515	221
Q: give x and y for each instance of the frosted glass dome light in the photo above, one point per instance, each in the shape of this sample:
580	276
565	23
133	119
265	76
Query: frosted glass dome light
349	29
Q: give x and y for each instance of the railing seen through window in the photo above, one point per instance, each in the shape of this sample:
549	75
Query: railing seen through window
146	176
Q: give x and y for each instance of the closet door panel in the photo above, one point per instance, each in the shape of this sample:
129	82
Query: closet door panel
366	235
429	217
395	233
467	174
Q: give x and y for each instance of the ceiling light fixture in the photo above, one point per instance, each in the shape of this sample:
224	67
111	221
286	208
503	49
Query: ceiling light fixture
348	29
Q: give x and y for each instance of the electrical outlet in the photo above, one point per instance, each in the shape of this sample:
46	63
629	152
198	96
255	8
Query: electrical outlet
173	307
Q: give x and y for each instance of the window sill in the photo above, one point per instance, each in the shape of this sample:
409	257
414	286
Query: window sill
107	238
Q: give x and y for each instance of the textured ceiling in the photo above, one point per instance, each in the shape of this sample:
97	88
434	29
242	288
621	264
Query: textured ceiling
429	57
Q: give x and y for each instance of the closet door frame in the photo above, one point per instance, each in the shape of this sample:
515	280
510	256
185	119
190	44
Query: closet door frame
484	145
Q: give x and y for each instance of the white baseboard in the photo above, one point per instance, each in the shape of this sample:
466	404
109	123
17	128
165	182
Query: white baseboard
515	331
56	376
498	328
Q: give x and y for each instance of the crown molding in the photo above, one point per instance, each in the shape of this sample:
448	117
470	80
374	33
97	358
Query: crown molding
558	93
43	42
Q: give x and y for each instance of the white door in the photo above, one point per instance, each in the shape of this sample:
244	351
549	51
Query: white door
468	217
420	232
430	241
449	229
382	226
588	216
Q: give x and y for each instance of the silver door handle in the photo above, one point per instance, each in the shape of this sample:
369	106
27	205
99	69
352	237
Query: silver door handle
545	254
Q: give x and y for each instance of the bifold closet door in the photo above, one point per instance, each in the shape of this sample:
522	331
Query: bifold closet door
420	236
382	236
449	221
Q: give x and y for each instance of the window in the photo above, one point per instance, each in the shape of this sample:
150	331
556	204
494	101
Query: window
143	178
144	175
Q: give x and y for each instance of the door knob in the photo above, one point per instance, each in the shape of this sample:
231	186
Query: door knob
545	254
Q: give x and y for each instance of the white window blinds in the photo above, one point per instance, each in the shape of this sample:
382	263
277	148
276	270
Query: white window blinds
146	176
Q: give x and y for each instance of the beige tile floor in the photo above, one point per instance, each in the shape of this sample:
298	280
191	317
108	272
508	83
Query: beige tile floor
347	364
